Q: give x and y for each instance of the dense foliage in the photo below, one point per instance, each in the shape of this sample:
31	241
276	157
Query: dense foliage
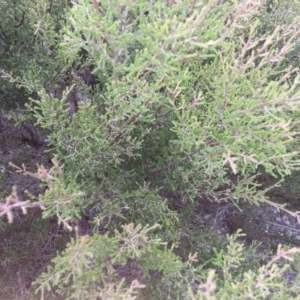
152	111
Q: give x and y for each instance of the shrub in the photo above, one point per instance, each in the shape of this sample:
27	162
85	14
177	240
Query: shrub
192	100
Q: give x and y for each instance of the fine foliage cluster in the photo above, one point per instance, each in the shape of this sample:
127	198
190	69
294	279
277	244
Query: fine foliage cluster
152	110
